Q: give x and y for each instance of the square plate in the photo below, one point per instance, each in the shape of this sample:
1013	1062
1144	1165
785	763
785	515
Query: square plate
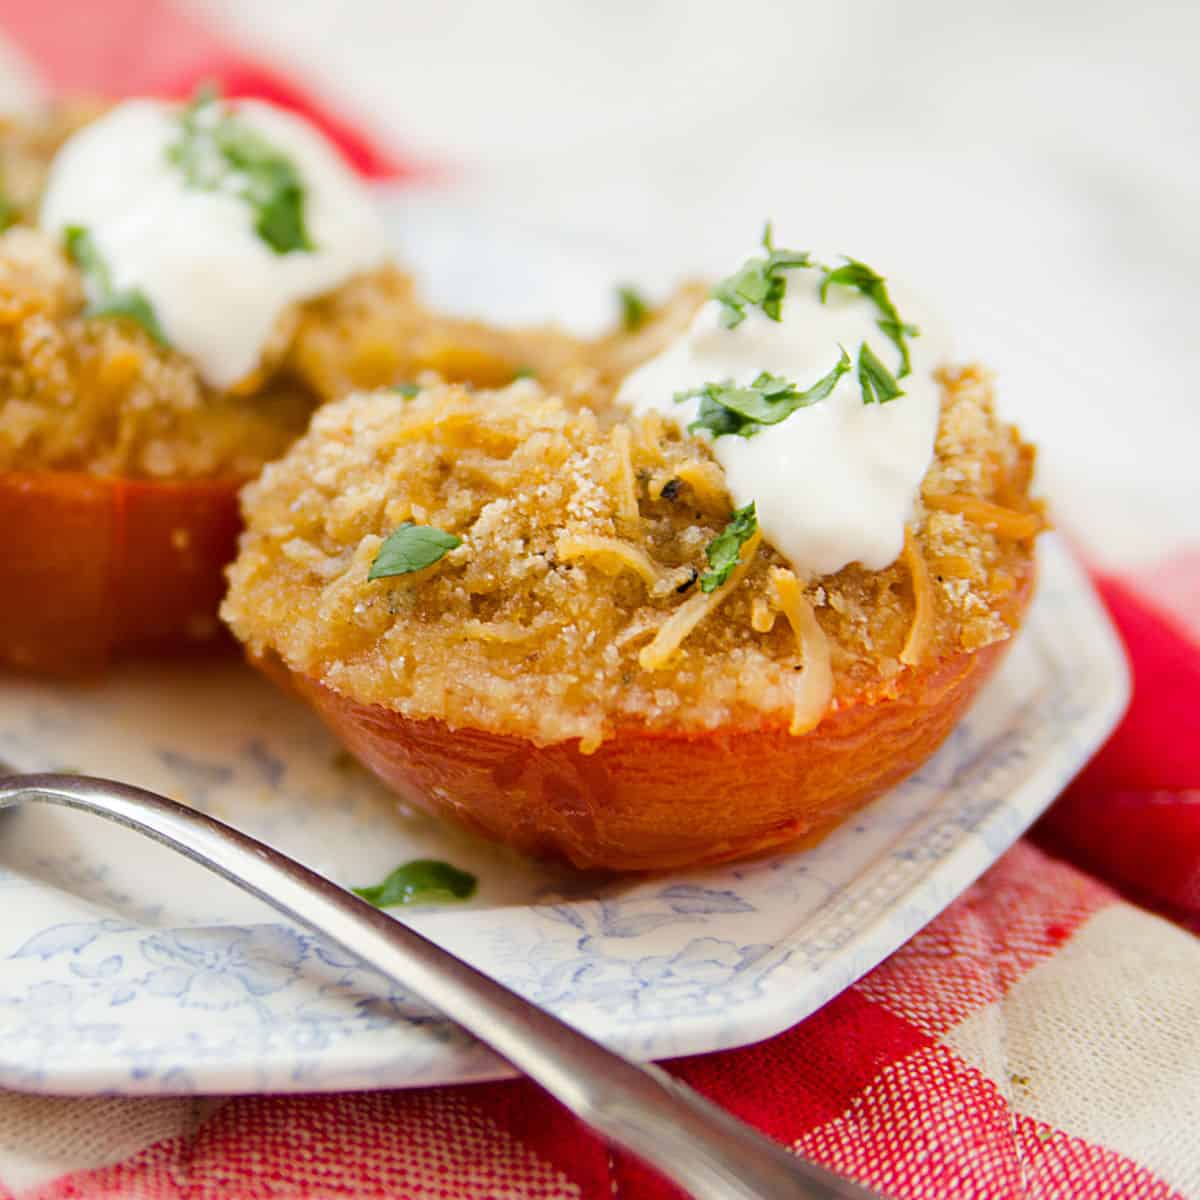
129	970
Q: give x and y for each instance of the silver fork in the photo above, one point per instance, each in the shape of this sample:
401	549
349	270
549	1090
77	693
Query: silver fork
640	1108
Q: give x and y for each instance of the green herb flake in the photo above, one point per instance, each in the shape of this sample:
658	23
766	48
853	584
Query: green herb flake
524	373
407	390
877	382
759	281
411	548
769	399
216	151
712	415
10	211
725	549
422	881
130	304
634	309
858	275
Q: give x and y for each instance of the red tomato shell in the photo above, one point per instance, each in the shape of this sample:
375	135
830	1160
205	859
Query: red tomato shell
91	566
650	800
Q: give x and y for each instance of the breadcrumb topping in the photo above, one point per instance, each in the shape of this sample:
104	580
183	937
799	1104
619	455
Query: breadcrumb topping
99	395
534	624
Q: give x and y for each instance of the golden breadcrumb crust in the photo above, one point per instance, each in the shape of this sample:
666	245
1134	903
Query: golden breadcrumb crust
582	533
101	396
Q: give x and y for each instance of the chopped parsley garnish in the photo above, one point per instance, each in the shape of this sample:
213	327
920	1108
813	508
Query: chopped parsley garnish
858	275
634	309
760	281
877	382
524	373
9	212
218	152
726	409
411	548
423	880
407	390
131	303
725	549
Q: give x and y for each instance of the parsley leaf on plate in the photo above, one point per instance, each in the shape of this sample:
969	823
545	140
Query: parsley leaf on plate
411	548
421	881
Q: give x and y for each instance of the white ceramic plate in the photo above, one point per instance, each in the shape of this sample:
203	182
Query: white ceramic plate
126	969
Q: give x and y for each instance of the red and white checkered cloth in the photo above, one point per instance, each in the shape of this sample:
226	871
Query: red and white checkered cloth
1040	1039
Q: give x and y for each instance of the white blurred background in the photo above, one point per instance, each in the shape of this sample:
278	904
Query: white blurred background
1032	166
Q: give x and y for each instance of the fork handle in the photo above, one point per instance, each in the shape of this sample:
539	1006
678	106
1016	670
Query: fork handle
642	1109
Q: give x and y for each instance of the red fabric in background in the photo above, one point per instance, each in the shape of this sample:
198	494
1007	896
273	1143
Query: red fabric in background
1133	816
98	47
833	1085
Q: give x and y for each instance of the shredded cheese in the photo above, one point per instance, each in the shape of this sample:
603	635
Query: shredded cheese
920	633
707	482
610	555
423	424
649	432
762	615
692	611
956	566
627	501
658	481
497	631
813	685
1003	522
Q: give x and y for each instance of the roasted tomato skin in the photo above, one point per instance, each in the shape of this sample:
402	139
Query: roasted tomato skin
649	800
91	566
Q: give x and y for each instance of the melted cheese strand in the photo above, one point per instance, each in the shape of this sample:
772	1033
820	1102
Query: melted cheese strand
707	481
627	503
920	634
762	615
956	566
610	555
692	611
1003	522
507	632
813	687
649	433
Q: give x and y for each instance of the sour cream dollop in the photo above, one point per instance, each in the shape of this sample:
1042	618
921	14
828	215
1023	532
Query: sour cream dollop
216	287
833	483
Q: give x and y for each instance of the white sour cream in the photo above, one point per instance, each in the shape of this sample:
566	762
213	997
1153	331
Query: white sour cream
834	483
216	287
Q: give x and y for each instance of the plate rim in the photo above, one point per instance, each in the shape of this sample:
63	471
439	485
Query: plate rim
1105	679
